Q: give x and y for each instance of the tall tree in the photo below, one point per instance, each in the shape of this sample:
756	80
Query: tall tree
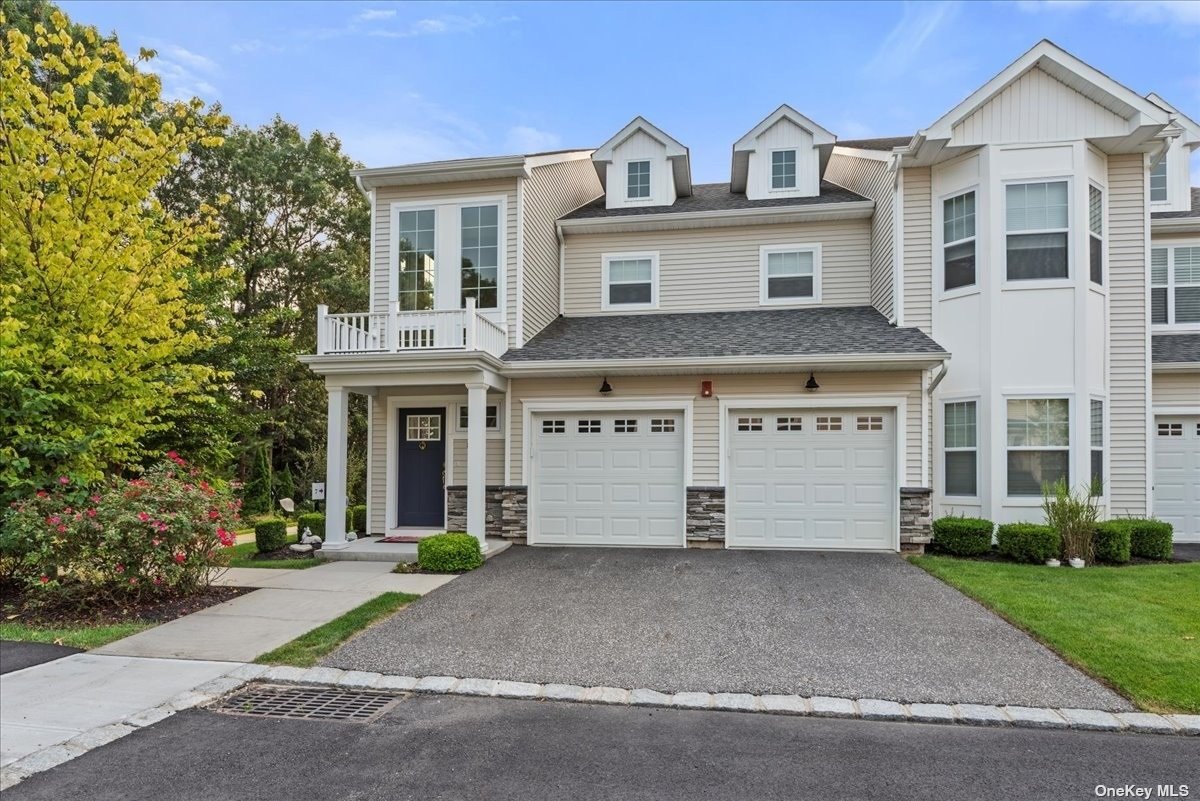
97	331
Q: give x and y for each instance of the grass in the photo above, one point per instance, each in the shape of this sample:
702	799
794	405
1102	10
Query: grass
242	555
1136	628
304	651
85	637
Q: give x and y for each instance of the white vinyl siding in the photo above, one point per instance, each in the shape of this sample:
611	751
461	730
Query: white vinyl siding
918	249
1176	389
1037	225
870	178
718	269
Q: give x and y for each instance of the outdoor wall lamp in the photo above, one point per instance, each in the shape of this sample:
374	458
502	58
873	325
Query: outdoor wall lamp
811	384
606	387
706	389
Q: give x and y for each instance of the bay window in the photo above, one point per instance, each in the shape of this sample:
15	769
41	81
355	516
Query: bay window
958	241
1038	229
1039	441
961	462
1096	235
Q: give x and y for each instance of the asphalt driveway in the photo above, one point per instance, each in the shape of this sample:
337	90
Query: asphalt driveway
851	625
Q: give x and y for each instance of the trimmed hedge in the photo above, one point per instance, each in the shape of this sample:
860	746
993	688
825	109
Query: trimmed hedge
1151	539
270	534
313	521
1028	542
356	519
1111	542
453	552
963	536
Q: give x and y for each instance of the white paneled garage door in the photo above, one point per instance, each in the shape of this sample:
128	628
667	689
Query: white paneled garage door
822	479
607	478
1177	474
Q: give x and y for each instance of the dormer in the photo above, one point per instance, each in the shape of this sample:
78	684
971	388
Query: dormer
1170	165
642	166
783	156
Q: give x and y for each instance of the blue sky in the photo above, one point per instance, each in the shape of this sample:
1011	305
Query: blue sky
404	82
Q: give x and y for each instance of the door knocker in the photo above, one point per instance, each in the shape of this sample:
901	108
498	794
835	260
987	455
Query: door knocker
421	445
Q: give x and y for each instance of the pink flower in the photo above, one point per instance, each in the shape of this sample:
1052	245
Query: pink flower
180	558
227	538
133	581
143	517
94	498
213	514
62	529
44	579
157	580
53	520
64	480
43	494
120	568
91	512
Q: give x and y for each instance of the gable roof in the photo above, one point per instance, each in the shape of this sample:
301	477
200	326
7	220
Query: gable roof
822	139
677	154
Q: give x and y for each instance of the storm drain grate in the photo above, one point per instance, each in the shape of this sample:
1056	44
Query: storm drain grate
308	703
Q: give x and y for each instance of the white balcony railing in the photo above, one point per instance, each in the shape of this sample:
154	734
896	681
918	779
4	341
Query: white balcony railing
406	332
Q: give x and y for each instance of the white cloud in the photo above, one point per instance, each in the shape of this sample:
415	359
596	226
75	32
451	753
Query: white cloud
1148	12
438	134
526	139
191	60
432	26
905	40
377	13
184	74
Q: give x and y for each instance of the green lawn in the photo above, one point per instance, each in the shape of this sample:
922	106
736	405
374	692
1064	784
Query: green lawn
242	555
304	651
1136	627
86	637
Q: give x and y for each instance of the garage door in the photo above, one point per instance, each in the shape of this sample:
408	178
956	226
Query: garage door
1177	474
812	479
612	478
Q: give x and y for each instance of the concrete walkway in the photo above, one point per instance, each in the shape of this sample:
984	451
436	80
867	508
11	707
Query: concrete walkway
290	603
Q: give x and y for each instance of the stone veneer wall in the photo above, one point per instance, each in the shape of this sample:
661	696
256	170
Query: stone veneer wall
705	514
506	510
916	522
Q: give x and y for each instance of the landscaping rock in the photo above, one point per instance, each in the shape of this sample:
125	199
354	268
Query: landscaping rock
877	709
980	715
1033	717
103	735
1146	722
299	547
358	679
402	683
785	704
735	702
606	695
644	697
931	713
825	707
692	700
1092	720
517	689
435	684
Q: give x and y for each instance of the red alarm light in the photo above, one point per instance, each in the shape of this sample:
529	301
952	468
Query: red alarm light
706	389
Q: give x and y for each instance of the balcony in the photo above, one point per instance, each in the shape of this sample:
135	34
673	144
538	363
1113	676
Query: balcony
396	331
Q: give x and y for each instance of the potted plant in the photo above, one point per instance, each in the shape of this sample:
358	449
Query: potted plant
1052	562
1073	515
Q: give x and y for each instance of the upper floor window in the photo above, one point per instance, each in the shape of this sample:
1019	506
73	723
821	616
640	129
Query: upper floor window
1158	181
783	169
1096	235
1038	228
958	240
1175	285
480	255
630	280
416	267
638	183
790	273
1039	440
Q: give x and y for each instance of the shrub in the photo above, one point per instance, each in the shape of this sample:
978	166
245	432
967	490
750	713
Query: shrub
313	521
1028	542
1073	516
1151	539
449	553
159	533
963	536
356	519
270	534
1111	542
256	494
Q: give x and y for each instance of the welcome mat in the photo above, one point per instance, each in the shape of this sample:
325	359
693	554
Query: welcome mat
398	538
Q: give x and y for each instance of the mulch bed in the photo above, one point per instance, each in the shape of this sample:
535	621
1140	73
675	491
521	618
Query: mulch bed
282	554
994	556
17	607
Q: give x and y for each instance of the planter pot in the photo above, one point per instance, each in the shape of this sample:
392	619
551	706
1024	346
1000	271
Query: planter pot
1052	563
1077	562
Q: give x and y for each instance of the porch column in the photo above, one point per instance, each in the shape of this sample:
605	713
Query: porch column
476	462
335	469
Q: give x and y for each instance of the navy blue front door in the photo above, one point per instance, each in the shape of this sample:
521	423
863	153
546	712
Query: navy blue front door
422	467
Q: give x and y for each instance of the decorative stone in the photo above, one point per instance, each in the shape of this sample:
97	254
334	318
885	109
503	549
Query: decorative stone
1187	724
692	700
705	514
916	523
323	675
435	684
980	715
506	510
102	735
298	547
785	704
358	679
517	689
1092	720
878	709
1034	717
401	683
827	707
564	692
931	713
644	697
148	717
735	702
1146	722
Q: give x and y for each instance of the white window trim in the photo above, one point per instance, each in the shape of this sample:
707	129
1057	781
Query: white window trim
940	226
1149	179
771	170
1170	325
606	258
766	250
636	200
1036	500
1102	236
1038	283
957	449
496	429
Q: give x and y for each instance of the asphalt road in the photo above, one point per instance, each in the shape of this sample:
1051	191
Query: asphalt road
466	748
20	655
853	625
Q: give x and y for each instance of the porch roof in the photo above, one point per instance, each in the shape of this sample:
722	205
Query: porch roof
1175	348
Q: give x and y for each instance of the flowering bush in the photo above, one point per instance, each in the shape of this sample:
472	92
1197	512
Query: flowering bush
162	532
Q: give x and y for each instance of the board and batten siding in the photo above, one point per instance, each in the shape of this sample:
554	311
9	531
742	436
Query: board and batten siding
550	192
706	411
1038	107
435	194
918	249
1129	338
1177	389
871	178
717	269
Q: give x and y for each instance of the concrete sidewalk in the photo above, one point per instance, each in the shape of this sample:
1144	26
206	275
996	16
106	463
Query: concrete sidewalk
290	603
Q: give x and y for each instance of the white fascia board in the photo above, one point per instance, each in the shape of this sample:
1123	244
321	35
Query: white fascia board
1178	225
797	363
1190	127
820	135
721	218
443	171
1175	367
429	362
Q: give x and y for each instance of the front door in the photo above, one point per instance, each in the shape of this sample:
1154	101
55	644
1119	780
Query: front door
422	468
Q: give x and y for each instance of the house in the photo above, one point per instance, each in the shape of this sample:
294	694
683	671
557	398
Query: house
844	340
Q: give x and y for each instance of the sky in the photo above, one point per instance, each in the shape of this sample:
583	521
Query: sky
402	82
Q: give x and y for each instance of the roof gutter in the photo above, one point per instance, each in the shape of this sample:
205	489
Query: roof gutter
824	211
1175	224
794	362
443	171
1175	367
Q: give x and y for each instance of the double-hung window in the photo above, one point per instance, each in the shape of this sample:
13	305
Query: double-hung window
790	273
637	186
958	241
1096	235
1039	444
416	264
480	255
1175	285
1097	442
630	281
783	169
1158	182
491	416
960	449
1038	229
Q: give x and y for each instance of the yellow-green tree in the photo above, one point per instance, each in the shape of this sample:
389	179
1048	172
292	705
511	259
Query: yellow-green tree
95	322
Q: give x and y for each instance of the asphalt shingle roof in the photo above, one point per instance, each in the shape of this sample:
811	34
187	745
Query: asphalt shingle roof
1170	215
887	143
717	197
1175	348
774	332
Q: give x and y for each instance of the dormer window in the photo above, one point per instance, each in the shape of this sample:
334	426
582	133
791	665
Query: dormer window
783	169
638	185
1158	182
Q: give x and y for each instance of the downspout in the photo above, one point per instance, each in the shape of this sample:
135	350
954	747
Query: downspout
927	425
938	378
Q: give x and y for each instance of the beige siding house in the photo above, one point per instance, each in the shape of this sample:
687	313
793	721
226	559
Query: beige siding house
841	342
